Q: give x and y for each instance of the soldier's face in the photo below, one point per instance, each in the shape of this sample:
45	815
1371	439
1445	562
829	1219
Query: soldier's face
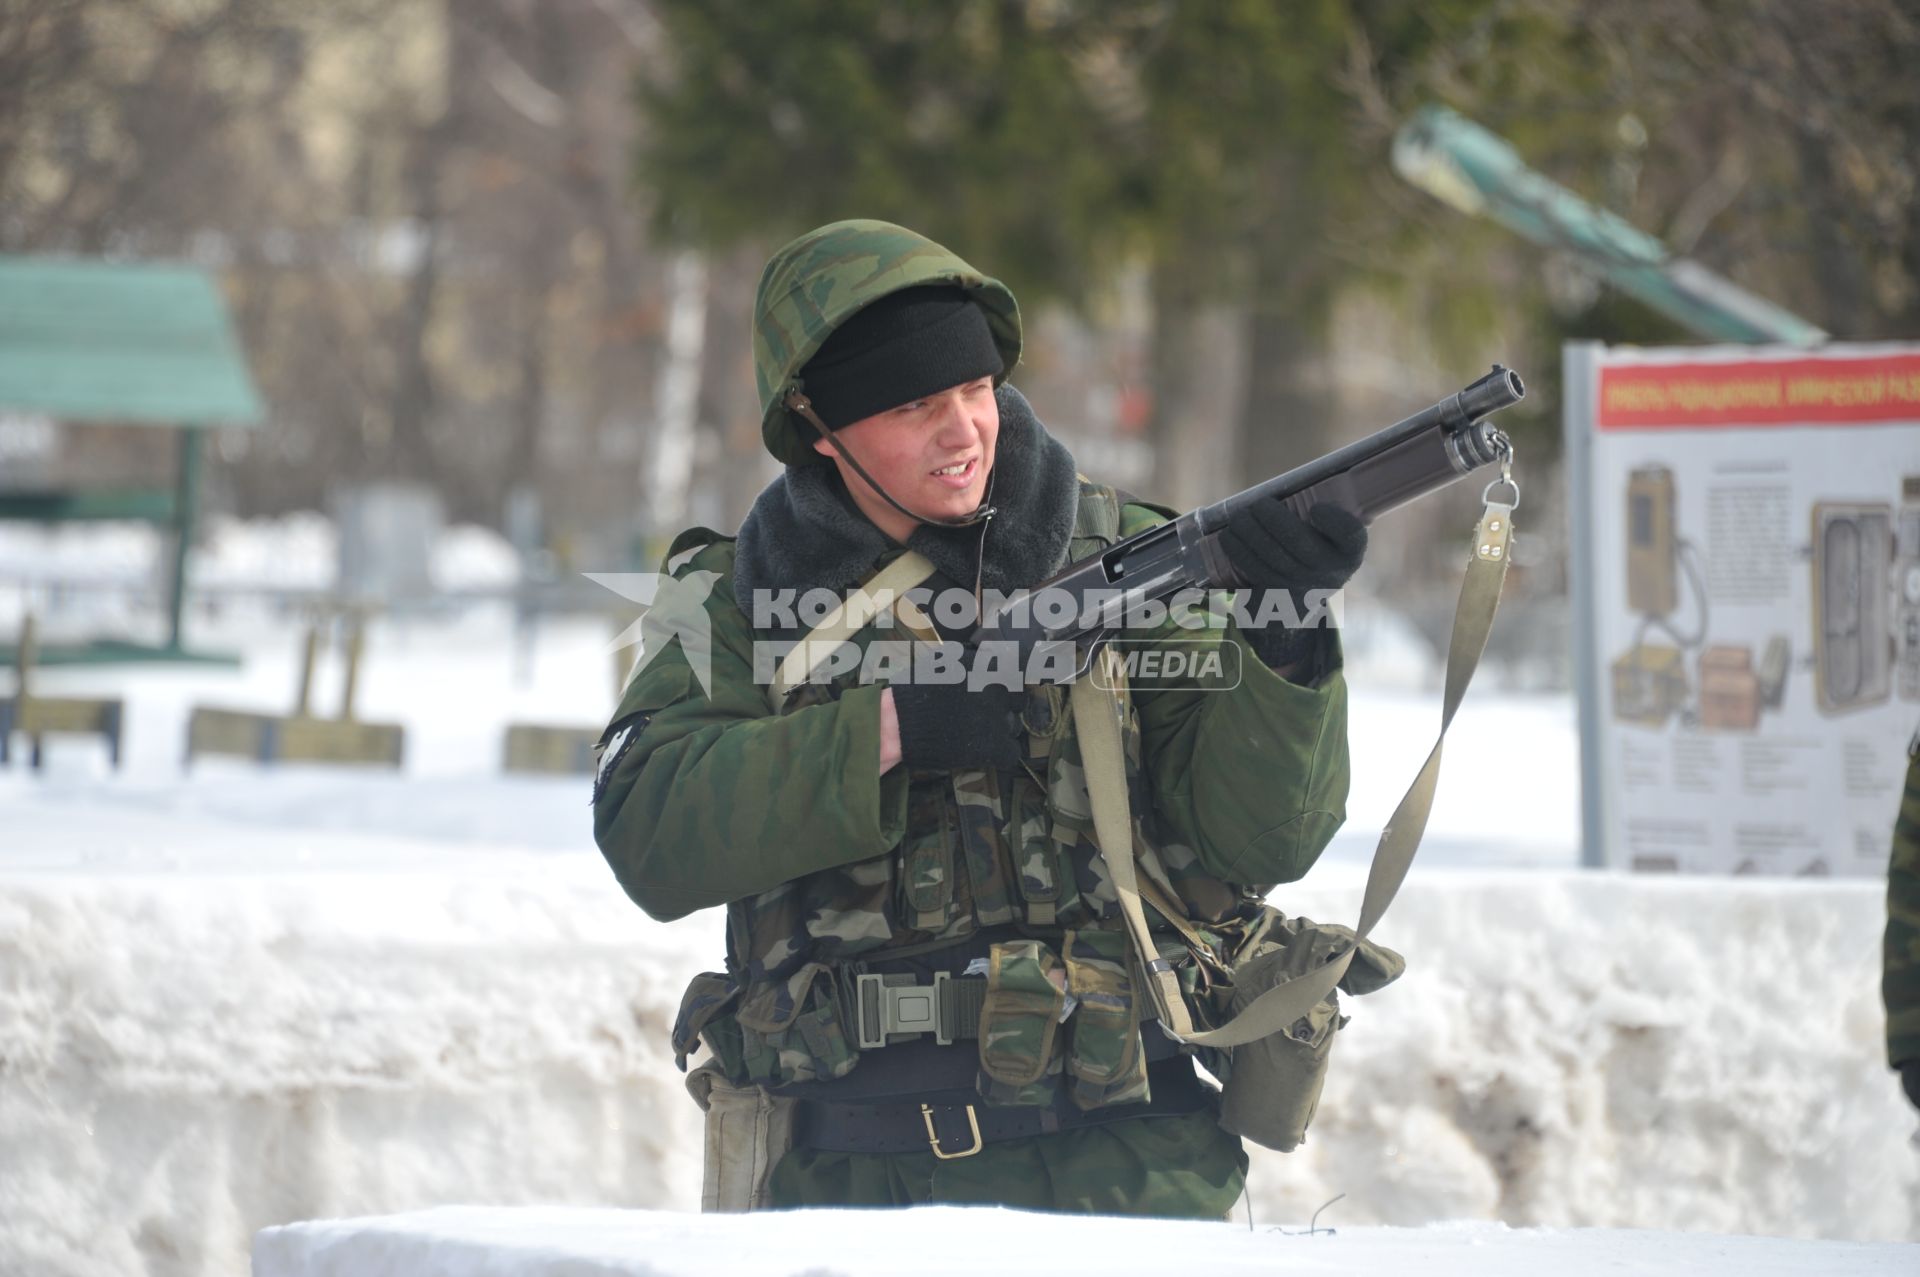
933	455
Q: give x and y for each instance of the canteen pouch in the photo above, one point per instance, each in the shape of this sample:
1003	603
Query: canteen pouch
1273	1084
1020	1022
791	1030
748	1132
1106	1063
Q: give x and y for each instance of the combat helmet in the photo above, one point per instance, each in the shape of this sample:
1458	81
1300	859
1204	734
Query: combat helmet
814	284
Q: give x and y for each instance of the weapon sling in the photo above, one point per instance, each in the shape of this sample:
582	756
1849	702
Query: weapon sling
1097	713
1098	717
885	591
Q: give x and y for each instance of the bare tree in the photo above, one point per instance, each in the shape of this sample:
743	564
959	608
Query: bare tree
422	212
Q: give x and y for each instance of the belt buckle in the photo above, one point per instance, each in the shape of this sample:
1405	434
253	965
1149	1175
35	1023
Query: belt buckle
890	1006
870	1022
933	1135
943	1009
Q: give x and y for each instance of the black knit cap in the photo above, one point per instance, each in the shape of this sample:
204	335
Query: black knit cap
908	344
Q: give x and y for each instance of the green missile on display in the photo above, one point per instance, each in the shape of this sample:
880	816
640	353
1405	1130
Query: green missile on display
1478	172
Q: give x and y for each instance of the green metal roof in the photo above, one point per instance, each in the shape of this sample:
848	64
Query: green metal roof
116	342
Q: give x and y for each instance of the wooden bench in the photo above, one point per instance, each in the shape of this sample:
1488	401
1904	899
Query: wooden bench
38	717
547	749
300	737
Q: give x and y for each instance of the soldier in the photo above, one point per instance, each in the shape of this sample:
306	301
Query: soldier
928	993
1900	981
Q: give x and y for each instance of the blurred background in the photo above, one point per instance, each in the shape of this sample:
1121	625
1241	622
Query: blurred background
488	268
503	252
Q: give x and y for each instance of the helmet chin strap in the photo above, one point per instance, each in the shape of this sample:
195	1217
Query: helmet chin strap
803	406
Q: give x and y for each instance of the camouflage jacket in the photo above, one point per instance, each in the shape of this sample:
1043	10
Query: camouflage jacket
709	793
1900	982
781	814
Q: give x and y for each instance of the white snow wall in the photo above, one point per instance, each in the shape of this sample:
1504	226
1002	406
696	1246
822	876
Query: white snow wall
184	1060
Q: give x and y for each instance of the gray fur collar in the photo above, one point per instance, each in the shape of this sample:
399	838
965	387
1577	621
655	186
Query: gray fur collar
805	532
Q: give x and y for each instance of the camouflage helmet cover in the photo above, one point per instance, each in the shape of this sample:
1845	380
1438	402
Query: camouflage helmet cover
814	284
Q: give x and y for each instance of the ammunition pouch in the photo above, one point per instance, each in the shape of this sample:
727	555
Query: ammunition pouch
1020	1024
704	1018
1048	1022
793	1031
1106	1059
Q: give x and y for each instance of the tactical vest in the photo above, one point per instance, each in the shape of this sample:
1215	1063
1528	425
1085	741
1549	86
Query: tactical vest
998	874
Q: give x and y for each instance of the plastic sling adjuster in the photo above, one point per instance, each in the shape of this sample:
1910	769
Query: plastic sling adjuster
933	1135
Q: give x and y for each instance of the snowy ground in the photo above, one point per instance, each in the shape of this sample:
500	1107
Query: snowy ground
468	1243
247	997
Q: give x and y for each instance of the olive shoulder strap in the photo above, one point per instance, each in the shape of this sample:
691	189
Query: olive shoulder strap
1097	714
885	591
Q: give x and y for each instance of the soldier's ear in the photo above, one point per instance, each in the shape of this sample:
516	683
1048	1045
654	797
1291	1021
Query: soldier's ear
822	447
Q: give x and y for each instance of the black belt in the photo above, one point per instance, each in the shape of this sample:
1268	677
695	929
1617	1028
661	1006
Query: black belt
955	1125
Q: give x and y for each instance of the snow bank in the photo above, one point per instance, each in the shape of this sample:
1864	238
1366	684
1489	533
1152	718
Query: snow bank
470	557
464	1242
298	551
249	996
189	1056
1610	1051
79	552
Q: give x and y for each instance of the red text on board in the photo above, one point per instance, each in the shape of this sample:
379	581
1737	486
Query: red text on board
1774	392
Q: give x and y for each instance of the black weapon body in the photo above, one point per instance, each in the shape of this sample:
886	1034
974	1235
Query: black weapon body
1425	452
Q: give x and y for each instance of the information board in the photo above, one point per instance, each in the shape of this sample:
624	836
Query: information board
1746	543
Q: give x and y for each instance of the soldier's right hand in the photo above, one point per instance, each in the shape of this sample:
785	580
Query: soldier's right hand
959	725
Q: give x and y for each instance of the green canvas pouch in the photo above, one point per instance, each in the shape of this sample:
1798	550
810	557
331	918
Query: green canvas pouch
703	1017
1105	1059
1273	1084
926	856
1020	1020
792	1030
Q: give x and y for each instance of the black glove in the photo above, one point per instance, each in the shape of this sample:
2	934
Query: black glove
1910	1079
1272	548
949	725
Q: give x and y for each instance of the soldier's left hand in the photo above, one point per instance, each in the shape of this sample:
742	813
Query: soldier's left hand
1272	548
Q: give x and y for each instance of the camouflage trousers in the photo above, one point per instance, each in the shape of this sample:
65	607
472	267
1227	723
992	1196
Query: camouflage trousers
1182	1167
